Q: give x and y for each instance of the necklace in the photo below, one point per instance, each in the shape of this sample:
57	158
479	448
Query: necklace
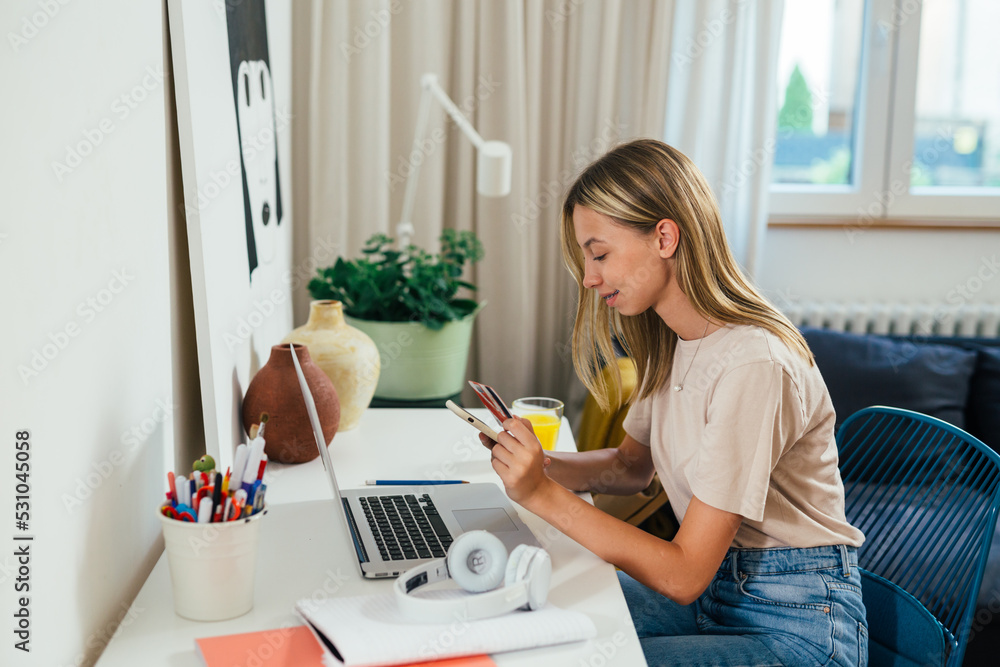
680	385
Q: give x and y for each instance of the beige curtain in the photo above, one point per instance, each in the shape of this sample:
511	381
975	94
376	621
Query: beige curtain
561	81
721	107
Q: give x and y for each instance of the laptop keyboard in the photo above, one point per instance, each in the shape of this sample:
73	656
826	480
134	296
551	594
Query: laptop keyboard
406	527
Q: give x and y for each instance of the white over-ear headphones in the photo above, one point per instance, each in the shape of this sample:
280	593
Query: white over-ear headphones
477	561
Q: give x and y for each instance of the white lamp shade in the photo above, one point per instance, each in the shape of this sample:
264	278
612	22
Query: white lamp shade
493	169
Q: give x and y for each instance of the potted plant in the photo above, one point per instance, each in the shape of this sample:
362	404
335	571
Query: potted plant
411	303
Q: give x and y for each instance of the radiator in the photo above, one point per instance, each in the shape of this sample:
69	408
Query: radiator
898	319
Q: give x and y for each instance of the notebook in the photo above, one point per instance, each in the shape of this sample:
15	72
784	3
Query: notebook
369	630
294	646
397	528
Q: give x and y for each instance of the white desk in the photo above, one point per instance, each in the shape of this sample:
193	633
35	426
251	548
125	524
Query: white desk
305	549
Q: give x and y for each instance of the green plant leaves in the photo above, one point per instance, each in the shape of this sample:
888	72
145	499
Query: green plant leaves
390	285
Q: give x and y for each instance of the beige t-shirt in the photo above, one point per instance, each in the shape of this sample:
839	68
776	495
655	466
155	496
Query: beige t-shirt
752	432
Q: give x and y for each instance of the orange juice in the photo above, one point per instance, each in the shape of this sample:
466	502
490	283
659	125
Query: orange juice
546	427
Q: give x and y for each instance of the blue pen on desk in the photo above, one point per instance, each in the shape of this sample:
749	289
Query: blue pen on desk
412	482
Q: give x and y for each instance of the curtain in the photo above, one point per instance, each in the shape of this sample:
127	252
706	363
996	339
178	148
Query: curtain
561	81
721	107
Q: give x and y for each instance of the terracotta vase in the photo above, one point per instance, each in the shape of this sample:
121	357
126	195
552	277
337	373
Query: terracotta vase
347	355
275	390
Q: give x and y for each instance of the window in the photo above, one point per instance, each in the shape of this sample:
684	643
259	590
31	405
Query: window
888	111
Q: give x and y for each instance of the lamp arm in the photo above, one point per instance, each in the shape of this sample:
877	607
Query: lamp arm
493	167
404	229
430	82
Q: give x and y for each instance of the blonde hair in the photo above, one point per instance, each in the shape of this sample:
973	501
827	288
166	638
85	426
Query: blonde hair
638	184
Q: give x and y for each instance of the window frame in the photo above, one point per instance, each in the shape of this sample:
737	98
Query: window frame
880	192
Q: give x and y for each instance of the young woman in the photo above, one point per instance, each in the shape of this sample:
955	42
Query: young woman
731	412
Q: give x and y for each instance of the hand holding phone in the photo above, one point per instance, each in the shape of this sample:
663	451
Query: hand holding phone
472	419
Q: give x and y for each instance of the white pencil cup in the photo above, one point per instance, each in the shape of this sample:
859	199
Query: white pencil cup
212	566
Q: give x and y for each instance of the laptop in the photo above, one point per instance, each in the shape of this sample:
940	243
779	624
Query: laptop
395	528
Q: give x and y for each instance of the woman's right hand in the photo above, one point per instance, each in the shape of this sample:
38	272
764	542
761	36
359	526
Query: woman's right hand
488	442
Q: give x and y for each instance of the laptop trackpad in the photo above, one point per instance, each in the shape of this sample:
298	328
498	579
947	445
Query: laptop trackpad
493	519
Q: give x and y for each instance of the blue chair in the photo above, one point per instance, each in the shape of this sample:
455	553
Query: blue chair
926	495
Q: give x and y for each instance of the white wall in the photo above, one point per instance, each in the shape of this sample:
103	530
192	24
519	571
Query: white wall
880	265
85	275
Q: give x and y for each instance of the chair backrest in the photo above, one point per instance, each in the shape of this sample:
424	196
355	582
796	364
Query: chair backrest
599	428
926	494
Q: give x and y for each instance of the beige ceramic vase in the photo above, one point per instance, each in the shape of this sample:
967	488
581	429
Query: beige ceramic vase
348	357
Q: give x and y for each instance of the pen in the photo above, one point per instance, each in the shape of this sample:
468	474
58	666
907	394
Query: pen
412	482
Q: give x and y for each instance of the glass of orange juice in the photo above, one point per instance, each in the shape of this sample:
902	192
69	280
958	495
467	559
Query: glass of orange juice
545	415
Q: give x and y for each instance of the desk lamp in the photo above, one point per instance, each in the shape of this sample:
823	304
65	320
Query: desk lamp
493	162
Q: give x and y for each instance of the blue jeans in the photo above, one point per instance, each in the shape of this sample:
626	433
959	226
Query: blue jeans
764	607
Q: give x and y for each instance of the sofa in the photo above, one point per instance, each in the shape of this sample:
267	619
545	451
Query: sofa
954	379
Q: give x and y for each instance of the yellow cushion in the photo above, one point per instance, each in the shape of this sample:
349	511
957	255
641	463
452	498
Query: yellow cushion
600	429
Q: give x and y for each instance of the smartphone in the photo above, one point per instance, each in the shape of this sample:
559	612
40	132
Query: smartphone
472	419
491	399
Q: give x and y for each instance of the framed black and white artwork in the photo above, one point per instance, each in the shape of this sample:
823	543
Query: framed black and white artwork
232	80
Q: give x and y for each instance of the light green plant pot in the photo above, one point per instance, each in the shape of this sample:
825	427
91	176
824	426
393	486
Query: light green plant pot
419	363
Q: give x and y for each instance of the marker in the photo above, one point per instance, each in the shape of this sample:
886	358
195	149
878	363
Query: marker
412	482
205	510
253	463
252	492
225	483
228	510
239	463
260	470
258	498
180	486
171	484
217	497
